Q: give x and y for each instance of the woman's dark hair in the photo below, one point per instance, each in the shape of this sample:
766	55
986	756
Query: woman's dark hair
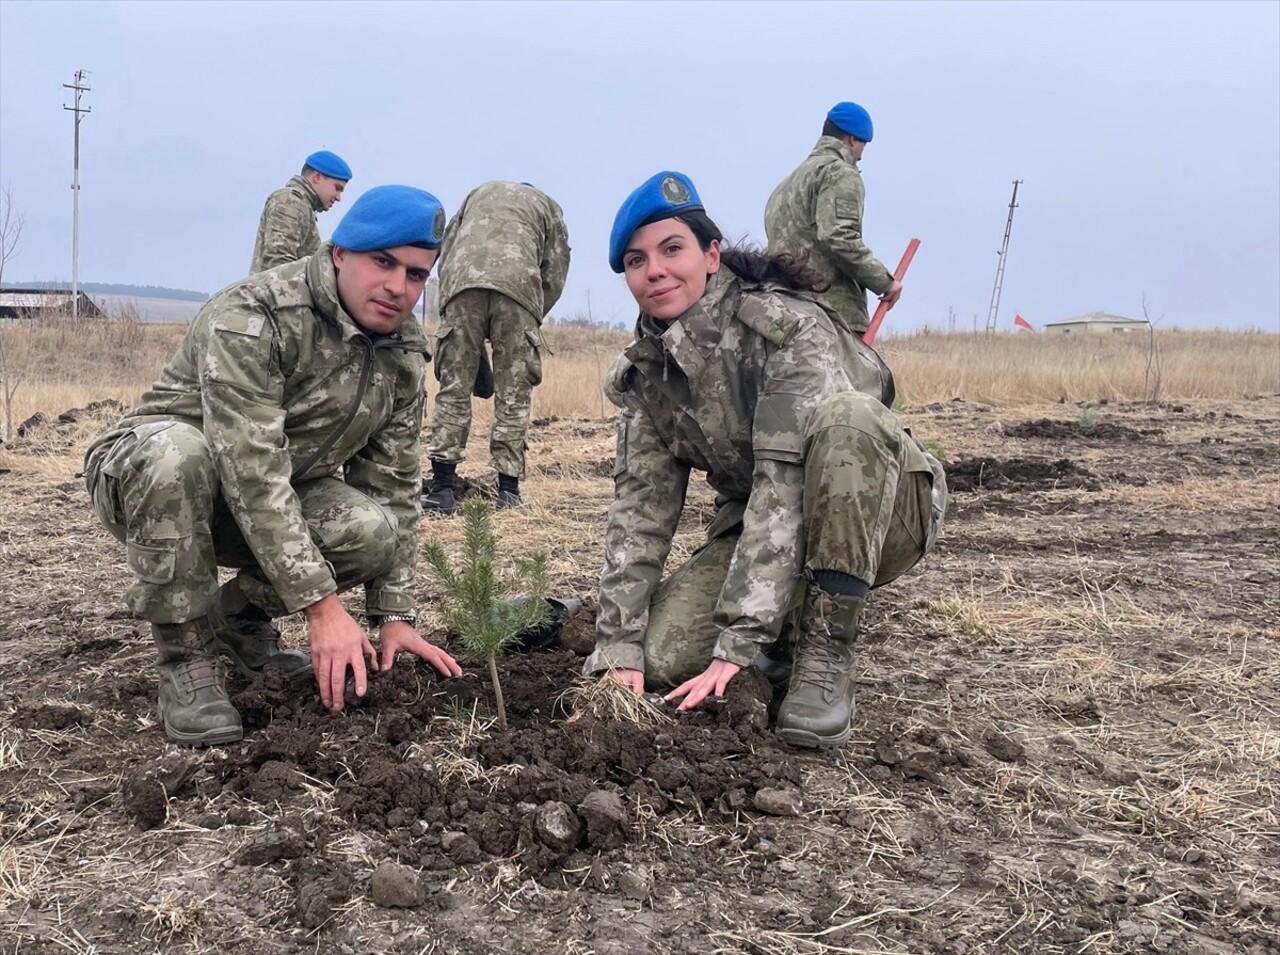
785	268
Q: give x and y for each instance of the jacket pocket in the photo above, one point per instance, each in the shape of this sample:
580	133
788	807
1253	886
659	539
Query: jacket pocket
153	561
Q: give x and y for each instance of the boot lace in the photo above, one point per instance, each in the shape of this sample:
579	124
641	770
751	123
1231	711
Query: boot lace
198	673
202	667
818	661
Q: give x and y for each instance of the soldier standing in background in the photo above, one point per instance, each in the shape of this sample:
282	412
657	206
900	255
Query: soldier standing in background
287	229
818	210
502	267
283	438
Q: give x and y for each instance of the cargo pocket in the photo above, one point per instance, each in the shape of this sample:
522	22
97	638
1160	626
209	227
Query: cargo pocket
442	344
153	561
535	356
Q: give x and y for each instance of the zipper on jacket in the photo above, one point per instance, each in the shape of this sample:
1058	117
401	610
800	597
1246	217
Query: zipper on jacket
365	370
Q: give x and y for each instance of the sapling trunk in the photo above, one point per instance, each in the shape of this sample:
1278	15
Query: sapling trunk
497	693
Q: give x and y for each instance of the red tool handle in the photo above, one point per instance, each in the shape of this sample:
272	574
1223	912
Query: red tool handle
870	334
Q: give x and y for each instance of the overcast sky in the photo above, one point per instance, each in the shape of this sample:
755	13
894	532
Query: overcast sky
1147	134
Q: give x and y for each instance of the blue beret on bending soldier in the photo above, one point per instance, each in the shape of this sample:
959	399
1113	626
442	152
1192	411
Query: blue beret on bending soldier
388	216
661	196
329	164
853	120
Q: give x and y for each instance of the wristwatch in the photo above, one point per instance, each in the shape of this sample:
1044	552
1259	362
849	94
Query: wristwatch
386	618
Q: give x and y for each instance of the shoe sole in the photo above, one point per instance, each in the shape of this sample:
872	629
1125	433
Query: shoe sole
218	738
807	740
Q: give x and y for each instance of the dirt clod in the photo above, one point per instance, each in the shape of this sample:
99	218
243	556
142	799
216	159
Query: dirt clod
608	823
779	802
395	886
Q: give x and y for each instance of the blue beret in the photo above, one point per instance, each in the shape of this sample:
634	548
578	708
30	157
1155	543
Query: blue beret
329	164
853	120
661	196
388	216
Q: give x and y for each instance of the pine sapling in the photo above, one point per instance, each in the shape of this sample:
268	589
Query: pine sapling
474	606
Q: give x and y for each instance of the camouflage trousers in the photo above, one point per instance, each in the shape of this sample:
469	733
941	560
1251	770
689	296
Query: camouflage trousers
156	489
873	504
469	318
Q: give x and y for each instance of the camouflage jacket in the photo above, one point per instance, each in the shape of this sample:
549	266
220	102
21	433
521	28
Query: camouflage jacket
508	237
287	230
728	389
287	388
818	209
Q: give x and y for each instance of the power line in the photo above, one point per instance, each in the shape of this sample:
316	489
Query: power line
79	86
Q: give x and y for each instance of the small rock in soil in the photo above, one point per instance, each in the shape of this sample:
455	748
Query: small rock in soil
608	824
557	827
397	886
779	802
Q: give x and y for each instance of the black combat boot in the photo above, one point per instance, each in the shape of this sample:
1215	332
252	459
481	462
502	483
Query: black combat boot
439	499
249	638
509	492
818	708
193	689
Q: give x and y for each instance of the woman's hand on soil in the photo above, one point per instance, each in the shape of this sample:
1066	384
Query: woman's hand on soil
632	678
400	635
714	678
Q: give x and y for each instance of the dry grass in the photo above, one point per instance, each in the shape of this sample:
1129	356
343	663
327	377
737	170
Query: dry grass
1013	369
66	365
612	701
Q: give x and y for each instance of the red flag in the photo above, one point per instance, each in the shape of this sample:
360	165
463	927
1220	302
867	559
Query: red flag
1020	322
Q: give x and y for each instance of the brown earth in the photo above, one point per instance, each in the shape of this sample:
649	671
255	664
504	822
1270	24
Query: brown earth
1067	739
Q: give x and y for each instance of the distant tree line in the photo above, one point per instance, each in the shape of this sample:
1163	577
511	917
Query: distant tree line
113	288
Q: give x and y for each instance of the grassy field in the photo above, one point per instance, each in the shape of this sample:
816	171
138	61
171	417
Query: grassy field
59	364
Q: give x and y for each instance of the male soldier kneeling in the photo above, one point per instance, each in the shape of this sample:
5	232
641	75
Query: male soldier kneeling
282	439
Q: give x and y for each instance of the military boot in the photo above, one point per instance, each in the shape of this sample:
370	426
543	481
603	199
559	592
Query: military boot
509	492
251	641
193	689
439	498
818	708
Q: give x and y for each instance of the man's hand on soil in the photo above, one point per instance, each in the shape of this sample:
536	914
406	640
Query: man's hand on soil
399	635
337	643
714	678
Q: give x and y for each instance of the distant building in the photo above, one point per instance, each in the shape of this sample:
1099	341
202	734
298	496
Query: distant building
1095	323
44	303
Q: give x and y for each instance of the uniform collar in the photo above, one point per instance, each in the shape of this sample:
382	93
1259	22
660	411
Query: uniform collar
830	146
310	192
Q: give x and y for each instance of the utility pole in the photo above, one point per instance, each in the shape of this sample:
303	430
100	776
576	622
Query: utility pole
1003	254
80	88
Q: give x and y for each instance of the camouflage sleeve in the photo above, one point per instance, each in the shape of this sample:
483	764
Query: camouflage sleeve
650	487
838	211
760	585
555	264
761	582
242	394
285	227
389	470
